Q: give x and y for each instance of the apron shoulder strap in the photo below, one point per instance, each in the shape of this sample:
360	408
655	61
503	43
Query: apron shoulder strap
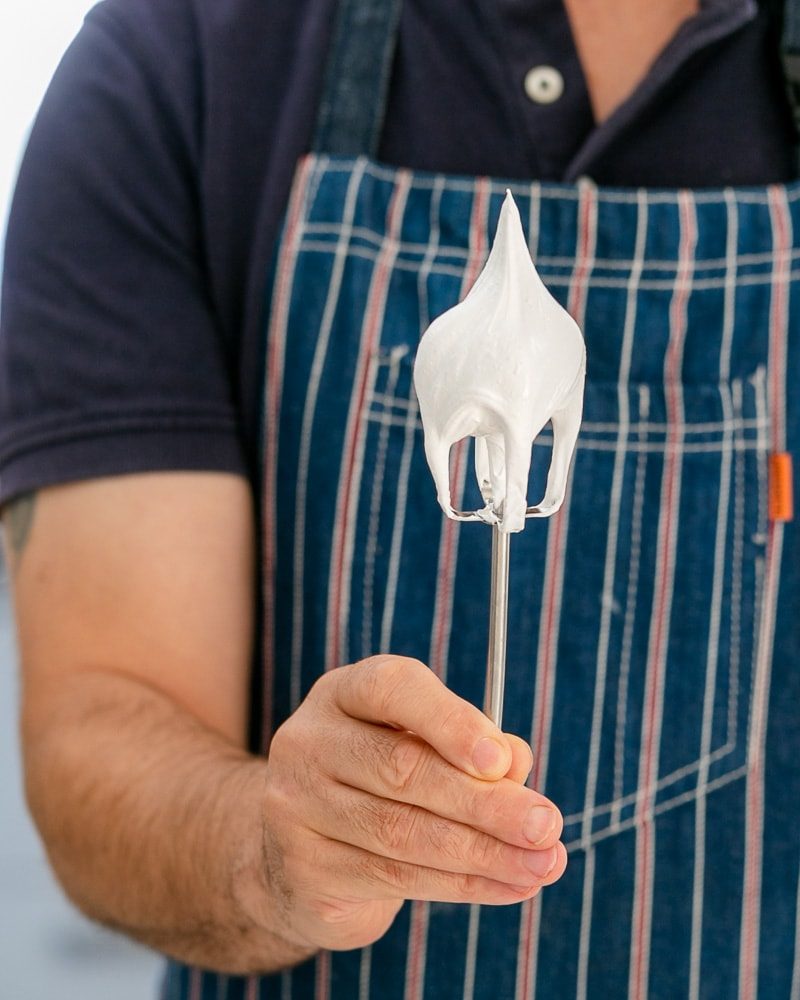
790	38
356	82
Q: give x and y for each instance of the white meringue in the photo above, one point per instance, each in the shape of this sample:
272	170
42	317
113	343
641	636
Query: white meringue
498	366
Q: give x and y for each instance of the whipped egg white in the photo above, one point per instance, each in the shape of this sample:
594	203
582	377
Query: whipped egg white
498	366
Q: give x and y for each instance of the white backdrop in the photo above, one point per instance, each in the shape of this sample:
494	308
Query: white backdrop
46	948
33	34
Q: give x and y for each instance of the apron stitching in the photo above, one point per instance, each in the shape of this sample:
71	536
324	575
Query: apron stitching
701	448
737	560
569	192
635	446
559	280
435	248
668	805
371	549
379	403
398	528
760	562
631	601
615	806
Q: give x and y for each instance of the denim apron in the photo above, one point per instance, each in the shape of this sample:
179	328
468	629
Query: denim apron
654	623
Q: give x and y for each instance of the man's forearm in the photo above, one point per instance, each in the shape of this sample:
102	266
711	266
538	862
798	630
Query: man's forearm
153	824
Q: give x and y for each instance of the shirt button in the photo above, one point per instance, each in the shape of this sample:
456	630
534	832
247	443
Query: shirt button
544	84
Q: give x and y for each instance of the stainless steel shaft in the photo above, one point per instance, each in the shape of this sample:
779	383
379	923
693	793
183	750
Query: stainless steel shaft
498	624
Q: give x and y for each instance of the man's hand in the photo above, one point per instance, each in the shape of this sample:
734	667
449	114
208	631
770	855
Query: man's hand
386	786
134	606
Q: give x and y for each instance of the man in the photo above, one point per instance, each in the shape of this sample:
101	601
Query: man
140	486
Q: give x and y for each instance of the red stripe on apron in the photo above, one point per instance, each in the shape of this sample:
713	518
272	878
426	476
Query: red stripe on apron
551	607
754	825
609	578
274	381
779	312
587	207
443	612
347	497
322	978
659	638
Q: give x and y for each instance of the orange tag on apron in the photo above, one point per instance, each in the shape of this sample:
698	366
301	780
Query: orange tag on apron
781	507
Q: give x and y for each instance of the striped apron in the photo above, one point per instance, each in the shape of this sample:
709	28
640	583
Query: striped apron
654	623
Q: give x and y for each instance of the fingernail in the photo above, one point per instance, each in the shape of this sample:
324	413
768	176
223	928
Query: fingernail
487	755
541	863
530	769
540	822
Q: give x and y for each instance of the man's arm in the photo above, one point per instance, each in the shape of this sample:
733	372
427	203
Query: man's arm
133	599
134	606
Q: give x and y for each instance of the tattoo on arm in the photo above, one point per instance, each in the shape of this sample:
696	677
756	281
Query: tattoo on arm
18	521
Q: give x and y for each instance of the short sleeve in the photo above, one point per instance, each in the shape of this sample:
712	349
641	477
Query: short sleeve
111	357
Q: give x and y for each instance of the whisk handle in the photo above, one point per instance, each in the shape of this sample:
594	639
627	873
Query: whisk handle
498	627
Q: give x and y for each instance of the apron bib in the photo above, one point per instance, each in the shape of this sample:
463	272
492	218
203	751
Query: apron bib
653	622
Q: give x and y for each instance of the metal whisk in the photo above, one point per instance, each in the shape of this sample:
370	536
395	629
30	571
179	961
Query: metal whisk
498	606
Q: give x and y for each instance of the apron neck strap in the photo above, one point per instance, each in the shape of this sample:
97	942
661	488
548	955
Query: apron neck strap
356	84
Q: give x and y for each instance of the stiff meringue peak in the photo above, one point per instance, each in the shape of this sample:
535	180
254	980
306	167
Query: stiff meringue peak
498	366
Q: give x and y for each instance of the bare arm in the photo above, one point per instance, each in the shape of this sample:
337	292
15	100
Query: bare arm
133	600
134	607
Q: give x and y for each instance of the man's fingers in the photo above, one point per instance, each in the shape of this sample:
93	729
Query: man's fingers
407	833
403	693
402	767
350	869
521	759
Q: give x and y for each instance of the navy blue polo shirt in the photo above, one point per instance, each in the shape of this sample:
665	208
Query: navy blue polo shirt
157	172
